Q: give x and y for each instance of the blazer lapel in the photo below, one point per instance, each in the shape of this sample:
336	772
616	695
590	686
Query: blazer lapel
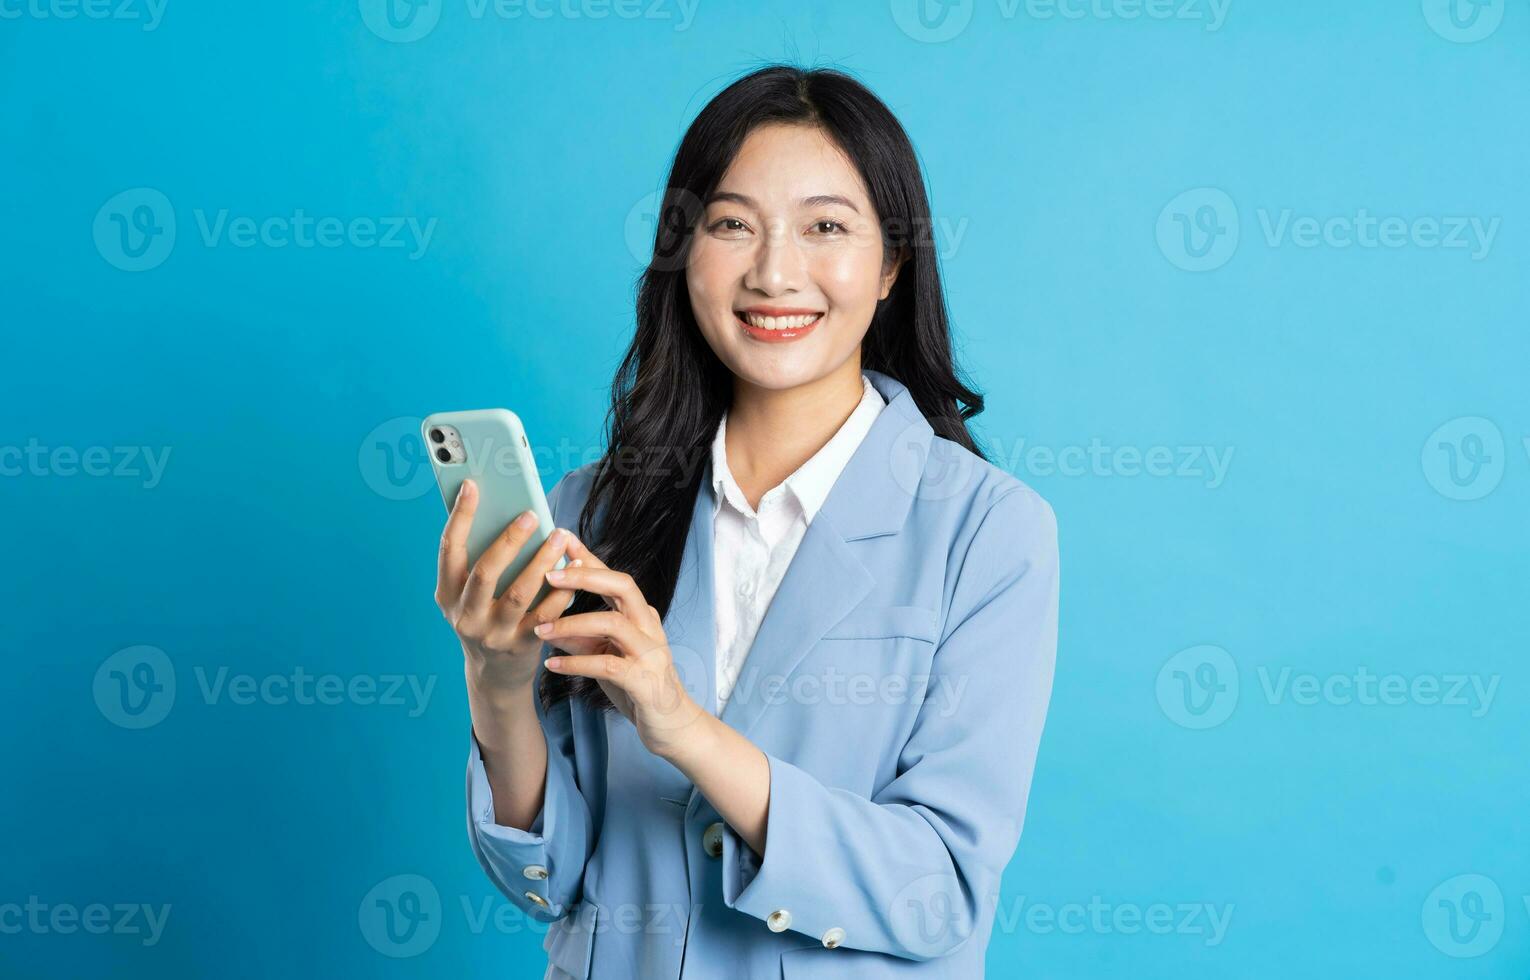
826	578
690	623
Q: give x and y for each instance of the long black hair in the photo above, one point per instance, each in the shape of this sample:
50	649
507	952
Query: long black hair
671	390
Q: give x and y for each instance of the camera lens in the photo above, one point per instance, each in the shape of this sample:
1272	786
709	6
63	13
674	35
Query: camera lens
436	435
443	455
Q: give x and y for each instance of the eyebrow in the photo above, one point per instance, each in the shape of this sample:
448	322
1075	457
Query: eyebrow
816	201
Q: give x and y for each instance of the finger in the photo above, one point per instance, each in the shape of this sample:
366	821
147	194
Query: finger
553	605
610	625
604	666
478	592
626	597
578	645
510	607
577	549
638	604
451	564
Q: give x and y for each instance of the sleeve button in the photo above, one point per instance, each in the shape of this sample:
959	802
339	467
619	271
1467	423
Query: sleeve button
779	920
712	840
833	937
535	872
536	899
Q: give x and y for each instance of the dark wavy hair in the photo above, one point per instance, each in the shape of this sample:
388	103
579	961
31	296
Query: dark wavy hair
671	390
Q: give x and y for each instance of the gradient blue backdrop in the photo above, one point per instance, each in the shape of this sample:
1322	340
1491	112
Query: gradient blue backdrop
1117	187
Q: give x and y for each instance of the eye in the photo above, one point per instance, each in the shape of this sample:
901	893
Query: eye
834	227
733	224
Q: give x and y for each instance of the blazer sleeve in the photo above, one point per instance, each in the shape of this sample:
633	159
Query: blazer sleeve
914	871
548	859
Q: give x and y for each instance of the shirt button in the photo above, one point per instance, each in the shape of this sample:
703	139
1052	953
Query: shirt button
535	872
712	840
779	920
536	899
746	589
833	937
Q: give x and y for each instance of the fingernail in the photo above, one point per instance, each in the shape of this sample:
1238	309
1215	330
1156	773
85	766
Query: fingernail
527	519
555	575
543	629
553	662
576	563
558	536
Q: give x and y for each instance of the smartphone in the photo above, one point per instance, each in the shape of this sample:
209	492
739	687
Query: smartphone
490	447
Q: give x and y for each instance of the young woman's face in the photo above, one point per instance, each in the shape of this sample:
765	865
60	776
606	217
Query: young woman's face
790	232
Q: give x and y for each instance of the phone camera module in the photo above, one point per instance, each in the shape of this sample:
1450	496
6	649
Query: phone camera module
437	436
443	455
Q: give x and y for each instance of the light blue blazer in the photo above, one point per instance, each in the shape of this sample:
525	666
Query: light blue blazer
897	685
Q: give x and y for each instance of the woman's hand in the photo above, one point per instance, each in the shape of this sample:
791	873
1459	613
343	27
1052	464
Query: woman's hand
625	650
498	643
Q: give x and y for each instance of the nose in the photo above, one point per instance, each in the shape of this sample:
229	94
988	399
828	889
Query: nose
778	263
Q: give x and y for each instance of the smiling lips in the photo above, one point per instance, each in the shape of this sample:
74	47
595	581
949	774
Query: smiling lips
774	325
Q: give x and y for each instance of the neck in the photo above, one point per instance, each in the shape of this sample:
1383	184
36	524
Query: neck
773	432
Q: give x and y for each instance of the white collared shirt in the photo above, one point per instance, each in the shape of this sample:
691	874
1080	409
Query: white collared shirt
751	550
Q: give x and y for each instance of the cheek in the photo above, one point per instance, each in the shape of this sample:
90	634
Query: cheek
849	276
710	277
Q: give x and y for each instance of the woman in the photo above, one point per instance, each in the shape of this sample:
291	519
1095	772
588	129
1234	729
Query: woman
805	641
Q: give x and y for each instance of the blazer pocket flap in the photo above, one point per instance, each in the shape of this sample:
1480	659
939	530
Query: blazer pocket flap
882	621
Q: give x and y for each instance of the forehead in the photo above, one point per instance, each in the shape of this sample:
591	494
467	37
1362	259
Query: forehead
780	164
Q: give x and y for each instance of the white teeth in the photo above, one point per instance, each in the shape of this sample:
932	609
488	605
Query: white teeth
779	322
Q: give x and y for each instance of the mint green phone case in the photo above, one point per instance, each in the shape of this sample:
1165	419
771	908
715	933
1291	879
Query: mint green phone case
495	453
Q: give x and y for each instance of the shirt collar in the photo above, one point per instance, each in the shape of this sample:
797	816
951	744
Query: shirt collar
811	482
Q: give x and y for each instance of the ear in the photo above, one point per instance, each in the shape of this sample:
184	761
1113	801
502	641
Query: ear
890	269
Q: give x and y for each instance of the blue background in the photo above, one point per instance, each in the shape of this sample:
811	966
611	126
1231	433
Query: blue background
278	536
